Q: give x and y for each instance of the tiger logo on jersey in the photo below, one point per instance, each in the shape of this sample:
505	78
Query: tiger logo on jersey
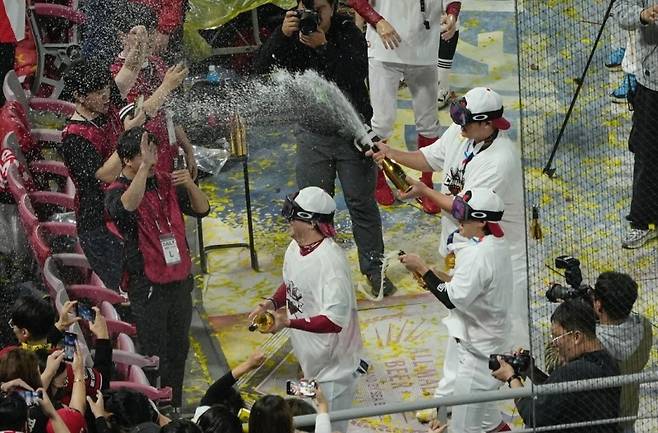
455	181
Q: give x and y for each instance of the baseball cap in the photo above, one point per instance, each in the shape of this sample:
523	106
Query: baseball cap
73	419
311	204
481	204
479	104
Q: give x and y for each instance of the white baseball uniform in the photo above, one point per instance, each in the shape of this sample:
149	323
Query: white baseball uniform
320	283
414	60
478	326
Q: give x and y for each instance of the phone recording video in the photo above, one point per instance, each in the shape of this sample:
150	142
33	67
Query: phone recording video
30	397
70	340
305	388
85	311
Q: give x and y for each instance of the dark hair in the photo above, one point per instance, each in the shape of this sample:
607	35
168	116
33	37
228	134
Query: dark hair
310	4
180	426
576	315
301	407
128	408
13	412
130	144
35	314
20	364
132	14
270	414
617	292
230	398
219	419
86	76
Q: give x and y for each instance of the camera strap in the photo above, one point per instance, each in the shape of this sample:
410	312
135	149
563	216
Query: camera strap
423	12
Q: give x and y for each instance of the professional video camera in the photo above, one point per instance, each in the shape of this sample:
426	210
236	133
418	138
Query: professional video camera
520	362
574	279
308	20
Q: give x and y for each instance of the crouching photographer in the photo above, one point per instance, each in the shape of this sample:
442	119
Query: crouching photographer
573	334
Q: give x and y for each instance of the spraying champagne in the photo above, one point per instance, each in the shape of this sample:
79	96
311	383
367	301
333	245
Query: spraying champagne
392	169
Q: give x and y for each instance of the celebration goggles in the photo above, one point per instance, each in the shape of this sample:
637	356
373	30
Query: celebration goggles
292	211
462	211
462	115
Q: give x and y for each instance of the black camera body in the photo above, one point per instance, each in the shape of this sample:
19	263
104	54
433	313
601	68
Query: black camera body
308	20
574	278
519	362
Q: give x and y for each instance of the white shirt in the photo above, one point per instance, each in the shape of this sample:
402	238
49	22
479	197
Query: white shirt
497	167
419	46
480	290
320	283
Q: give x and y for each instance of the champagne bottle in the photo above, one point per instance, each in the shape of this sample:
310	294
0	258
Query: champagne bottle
416	274
535	227
179	162
262	322
391	169
450	260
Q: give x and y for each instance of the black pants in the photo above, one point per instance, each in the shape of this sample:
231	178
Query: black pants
642	142
163	313
320	158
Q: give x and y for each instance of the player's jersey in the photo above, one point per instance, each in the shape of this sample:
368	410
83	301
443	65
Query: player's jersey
320	283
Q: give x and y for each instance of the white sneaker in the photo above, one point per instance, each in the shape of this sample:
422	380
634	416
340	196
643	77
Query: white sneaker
444	97
638	237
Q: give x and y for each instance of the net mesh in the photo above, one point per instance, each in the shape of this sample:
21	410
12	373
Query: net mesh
585	191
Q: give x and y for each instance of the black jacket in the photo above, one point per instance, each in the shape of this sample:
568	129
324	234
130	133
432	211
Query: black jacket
343	60
572	407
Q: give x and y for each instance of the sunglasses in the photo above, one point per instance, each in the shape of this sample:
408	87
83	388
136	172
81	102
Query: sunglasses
292	211
463	116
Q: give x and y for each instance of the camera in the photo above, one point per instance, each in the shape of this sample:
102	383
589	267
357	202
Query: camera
519	362
574	278
305	388
308	20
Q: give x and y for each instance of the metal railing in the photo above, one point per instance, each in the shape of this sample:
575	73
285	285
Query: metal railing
498	395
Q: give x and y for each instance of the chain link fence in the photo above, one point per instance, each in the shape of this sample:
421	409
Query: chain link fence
591	176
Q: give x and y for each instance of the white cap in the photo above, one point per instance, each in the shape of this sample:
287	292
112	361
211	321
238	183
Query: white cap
480	100
484	200
316	200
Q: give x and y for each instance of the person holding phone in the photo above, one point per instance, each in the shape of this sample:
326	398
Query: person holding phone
155	82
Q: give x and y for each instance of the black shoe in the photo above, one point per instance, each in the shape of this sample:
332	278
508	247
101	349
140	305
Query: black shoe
375	282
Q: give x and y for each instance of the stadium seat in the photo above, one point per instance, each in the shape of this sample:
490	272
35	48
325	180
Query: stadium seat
13	91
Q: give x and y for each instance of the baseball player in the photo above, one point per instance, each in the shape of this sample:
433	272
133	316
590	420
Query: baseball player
317	301
477	296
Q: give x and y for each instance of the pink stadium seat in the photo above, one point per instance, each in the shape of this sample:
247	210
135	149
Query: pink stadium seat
114	323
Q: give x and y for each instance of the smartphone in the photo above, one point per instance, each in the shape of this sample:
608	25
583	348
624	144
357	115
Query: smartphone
139	105
70	340
305	388
30	397
86	312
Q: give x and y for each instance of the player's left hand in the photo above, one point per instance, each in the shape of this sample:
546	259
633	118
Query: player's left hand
448	26
281	320
418	189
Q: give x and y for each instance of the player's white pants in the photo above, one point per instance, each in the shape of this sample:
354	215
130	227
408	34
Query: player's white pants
340	395
422	81
469	374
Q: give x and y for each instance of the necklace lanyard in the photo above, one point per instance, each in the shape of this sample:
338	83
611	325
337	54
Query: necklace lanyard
468	156
164	213
87	120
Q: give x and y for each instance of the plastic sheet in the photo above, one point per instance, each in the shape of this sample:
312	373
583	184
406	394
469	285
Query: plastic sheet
12	235
211	159
208	14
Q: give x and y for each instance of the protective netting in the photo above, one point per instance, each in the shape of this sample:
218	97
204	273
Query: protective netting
596	200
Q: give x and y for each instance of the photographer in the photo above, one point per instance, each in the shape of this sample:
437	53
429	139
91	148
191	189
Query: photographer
628	337
316	37
573	331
